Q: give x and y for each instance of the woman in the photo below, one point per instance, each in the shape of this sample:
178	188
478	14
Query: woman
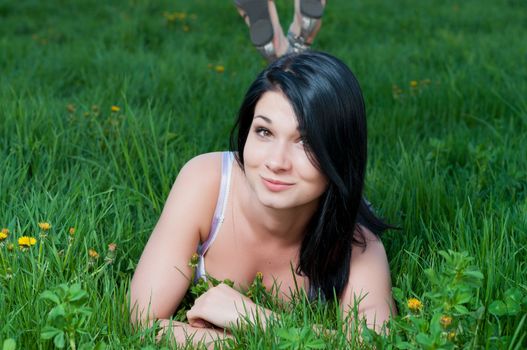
290	194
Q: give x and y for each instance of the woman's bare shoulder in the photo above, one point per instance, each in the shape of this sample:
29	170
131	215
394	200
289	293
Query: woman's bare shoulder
206	165
198	184
369	280
371	256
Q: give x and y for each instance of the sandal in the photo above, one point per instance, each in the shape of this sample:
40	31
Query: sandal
256	14
310	12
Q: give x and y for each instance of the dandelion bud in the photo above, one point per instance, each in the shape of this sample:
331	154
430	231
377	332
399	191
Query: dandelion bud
446	321
44	226
92	253
194	260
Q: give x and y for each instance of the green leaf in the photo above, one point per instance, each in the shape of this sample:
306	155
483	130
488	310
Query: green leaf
498	308
404	345
316	344
59	340
57	311
287	334
9	344
514	294
435	325
513	300
100	346
460	309
424	340
49	332
445	255
479	313
49	295
77	294
463	297
475	274
513	307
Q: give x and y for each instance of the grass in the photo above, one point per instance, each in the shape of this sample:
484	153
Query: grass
445	84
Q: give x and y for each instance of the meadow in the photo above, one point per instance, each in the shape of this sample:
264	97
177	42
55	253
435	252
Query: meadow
101	103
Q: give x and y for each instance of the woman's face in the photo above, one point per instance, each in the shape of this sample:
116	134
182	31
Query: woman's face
277	166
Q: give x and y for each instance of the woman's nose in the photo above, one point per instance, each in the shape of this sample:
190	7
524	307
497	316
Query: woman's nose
278	158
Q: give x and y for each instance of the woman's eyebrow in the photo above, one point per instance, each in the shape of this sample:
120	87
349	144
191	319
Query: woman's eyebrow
271	122
264	118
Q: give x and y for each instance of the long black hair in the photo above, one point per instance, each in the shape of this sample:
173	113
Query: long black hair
328	103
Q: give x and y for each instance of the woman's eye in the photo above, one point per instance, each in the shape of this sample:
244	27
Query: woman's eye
303	141
263	132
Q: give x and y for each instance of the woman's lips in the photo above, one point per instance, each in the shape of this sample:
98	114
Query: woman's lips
276	185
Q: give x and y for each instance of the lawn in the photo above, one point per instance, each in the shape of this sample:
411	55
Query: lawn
101	103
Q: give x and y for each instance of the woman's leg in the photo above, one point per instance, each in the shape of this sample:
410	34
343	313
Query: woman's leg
306	23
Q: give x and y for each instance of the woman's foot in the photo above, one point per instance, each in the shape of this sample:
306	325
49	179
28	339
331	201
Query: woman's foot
264	27
306	23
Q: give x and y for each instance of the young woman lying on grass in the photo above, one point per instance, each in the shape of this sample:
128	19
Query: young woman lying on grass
288	195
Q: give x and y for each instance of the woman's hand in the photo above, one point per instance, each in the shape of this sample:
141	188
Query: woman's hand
183	332
224	307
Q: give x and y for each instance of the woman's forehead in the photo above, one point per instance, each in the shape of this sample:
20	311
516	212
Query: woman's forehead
274	109
274	104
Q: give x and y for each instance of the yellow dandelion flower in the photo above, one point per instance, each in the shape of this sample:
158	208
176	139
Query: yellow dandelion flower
413	84
92	253
116	109
259	275
445	321
26	241
71	231
451	335
5	230
44	225
3	235
414	304
219	69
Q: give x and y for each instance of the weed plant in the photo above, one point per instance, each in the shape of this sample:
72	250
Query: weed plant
101	103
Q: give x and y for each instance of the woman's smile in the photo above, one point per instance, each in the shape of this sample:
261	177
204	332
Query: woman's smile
276	185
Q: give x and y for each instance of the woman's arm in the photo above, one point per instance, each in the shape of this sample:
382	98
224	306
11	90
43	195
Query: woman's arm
162	276
369	283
